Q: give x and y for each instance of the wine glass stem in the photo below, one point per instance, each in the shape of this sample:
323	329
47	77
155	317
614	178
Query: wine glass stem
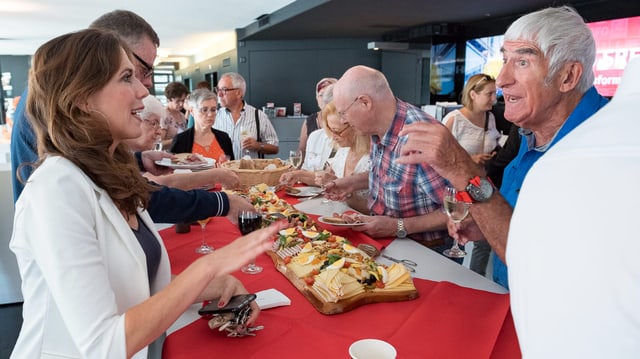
455	245
204	242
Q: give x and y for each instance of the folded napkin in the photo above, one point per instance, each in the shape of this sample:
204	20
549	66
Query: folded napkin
271	298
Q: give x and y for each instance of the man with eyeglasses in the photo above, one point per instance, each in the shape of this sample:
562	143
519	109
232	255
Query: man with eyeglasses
249	128
405	201
167	205
143	41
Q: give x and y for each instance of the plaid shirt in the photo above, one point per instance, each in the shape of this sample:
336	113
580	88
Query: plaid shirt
399	190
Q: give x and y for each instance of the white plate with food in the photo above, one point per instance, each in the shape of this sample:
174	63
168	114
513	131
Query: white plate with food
188	161
303	191
338	222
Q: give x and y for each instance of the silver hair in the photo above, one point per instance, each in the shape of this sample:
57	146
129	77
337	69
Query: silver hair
237	80
152	106
198	96
562	36
327	94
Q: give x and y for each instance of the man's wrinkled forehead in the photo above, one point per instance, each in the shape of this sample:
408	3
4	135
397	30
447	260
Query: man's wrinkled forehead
522	48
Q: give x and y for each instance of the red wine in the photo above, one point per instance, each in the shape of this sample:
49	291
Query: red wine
249	222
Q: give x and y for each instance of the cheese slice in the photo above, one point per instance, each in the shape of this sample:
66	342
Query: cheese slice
397	274
333	285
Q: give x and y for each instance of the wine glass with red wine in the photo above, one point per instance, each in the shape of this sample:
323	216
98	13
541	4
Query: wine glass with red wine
249	221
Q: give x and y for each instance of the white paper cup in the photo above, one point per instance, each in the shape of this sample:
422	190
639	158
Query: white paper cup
372	349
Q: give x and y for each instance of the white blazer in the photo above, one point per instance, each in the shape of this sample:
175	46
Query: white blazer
81	266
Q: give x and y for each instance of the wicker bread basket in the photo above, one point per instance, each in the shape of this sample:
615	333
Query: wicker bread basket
252	172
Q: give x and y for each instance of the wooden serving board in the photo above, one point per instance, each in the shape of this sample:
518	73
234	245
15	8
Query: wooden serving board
343	305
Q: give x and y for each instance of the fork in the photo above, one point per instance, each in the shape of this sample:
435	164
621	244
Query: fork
370	250
312	197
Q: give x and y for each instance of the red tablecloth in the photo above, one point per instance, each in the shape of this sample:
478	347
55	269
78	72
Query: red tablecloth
446	321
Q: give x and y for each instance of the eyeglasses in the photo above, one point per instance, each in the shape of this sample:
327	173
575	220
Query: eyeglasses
338	132
148	68
344	112
211	110
224	90
152	123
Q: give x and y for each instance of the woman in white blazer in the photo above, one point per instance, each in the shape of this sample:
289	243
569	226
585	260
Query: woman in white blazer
96	277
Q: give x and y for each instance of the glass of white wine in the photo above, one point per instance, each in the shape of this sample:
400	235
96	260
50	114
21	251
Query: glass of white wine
204	248
157	145
457	211
295	158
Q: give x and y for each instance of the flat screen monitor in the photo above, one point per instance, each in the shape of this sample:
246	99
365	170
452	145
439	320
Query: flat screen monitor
443	68
483	55
617	41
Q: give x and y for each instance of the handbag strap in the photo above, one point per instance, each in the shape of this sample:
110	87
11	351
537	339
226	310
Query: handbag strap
260	154
486	121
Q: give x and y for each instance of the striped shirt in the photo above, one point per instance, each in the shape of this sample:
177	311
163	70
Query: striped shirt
224	122
399	190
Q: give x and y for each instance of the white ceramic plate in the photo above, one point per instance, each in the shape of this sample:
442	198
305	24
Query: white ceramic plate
303	191
322	220
179	166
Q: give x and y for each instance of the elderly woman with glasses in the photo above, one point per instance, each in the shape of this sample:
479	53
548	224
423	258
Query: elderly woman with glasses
153	111
352	156
151	116
202	138
474	126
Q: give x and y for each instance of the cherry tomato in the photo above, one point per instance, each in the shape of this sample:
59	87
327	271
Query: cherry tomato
287	259
379	284
315	271
309	280
346	264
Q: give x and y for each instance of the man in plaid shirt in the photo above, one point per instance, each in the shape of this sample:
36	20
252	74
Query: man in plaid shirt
405	200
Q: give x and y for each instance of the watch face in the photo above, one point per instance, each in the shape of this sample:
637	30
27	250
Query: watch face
481	193
401	232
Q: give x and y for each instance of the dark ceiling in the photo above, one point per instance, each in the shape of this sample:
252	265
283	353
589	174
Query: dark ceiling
412	20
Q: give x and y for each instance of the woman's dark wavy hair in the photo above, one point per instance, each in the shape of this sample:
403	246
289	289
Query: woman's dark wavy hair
65	71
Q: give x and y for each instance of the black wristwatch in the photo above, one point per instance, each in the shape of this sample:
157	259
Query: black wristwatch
479	189
401	232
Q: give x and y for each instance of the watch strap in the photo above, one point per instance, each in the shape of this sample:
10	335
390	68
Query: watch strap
401	231
464	196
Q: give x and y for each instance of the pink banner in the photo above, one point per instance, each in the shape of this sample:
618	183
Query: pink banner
617	41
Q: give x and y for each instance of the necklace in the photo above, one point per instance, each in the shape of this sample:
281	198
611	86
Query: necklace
350	163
